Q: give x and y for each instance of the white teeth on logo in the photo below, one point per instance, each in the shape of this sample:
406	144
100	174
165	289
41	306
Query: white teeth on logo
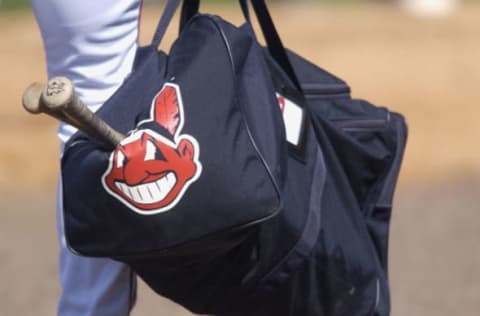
152	192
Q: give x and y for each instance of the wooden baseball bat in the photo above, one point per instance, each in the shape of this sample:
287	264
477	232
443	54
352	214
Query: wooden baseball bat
33	104
58	99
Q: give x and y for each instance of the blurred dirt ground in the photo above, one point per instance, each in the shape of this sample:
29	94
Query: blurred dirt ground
429	70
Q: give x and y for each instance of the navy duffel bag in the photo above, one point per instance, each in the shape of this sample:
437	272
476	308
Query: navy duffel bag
249	183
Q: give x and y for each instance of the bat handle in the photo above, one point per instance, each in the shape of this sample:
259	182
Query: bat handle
59	96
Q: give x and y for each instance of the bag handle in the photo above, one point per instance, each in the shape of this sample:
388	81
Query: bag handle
191	7
274	44
165	20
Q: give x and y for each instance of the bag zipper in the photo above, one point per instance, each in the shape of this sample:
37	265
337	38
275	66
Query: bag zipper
359	125
324	88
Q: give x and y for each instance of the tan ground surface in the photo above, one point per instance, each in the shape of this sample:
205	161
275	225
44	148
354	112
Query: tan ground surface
427	69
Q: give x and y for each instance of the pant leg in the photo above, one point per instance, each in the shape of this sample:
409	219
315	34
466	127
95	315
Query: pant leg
92	286
93	43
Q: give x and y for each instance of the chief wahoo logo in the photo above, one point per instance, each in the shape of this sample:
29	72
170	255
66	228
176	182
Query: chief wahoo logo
148	172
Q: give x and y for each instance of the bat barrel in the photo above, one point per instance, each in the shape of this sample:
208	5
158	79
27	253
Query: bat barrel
32	103
31	98
59	97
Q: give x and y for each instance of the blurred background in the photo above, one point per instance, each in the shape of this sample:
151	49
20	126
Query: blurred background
417	57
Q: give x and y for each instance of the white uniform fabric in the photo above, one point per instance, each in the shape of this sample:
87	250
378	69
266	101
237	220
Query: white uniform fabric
93	43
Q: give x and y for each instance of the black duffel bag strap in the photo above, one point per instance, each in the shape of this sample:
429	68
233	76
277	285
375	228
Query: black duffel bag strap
168	13
274	43
190	8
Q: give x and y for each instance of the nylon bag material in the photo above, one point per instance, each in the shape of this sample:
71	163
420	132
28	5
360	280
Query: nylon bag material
324	252
187	118
341	267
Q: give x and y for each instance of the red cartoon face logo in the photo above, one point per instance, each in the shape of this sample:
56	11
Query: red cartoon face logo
148	172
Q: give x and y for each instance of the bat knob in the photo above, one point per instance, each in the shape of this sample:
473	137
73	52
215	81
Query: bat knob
58	93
